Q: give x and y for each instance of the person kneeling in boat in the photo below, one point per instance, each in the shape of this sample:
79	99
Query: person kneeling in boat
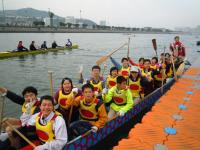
136	84
64	96
54	44
20	47
50	126
121	98
32	46
44	45
69	43
30	105
92	112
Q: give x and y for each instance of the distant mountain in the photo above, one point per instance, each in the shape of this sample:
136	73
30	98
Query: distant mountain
30	12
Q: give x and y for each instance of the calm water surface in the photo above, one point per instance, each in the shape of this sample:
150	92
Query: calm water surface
19	72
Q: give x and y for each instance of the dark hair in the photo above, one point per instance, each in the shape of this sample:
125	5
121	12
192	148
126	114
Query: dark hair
123	59
167	54
147	60
29	89
96	67
47	97
176	37
155	58
162	54
141	58
68	79
87	85
112	69
121	79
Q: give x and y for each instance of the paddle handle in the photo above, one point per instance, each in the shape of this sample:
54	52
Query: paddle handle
174	69
116	50
128	52
20	134
51	82
2	100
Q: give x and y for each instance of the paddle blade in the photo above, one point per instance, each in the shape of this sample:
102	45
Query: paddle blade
180	69
154	44
101	60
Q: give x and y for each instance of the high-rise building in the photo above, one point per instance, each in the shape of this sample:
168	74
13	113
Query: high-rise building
102	23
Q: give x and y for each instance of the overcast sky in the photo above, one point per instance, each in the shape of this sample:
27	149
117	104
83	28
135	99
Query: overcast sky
133	13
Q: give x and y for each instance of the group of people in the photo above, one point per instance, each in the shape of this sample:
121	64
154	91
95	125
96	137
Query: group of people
33	47
89	108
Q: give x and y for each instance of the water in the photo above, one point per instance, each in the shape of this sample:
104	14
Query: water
19	72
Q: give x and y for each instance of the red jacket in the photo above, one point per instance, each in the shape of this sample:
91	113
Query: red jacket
180	47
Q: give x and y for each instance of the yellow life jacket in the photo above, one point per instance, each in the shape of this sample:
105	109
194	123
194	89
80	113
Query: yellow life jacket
119	97
45	132
97	86
135	87
158	77
153	67
147	74
124	72
62	99
111	81
170	72
32	108
89	112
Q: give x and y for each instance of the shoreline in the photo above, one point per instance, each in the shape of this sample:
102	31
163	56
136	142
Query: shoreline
66	30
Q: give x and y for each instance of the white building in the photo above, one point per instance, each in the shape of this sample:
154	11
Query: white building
102	23
48	23
70	19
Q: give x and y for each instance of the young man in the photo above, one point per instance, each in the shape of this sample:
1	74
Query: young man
29	102
69	43
32	46
96	80
50	126
121	98
44	45
124	70
136	84
147	72
92	112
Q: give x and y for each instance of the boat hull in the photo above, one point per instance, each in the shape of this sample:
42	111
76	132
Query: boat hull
93	138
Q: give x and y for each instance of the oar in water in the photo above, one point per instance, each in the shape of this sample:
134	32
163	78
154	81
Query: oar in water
51	82
20	134
104	58
155	46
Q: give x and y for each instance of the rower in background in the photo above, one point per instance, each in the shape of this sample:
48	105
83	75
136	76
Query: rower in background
69	43
54	44
20	47
44	45
32	46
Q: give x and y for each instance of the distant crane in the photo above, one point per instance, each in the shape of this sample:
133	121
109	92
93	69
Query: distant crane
51	17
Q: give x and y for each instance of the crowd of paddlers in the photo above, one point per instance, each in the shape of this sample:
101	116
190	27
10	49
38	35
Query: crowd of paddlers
49	122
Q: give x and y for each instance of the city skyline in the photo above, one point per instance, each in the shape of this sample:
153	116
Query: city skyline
129	13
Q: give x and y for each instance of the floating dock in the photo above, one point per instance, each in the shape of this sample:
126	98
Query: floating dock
173	123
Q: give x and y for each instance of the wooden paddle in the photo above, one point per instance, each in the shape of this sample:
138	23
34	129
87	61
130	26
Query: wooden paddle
163	72
174	69
2	101
155	46
20	134
71	110
51	82
104	58
180	69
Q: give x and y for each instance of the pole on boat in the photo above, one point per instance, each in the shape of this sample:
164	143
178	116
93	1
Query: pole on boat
128	52
51	81
2	101
20	134
155	46
104	58
163	70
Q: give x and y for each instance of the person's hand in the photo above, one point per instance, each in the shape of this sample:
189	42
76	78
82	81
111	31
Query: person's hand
104	91
75	90
3	90
121	113
94	129
96	93
29	106
163	66
40	147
